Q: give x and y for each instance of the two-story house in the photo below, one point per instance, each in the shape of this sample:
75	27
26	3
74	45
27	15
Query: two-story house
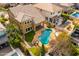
67	7
27	17
51	12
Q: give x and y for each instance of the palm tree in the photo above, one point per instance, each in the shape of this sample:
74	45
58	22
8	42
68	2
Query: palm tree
43	50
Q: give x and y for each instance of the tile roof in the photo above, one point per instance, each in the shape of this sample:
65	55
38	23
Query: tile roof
48	7
67	4
28	10
21	17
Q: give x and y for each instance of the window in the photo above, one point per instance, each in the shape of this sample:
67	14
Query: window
46	18
40	9
50	20
30	28
51	13
25	22
58	11
26	30
30	21
19	23
74	43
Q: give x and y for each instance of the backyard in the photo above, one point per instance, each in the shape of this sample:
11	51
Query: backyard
35	51
29	36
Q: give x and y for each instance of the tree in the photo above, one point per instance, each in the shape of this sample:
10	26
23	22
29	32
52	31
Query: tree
14	35
42	50
75	50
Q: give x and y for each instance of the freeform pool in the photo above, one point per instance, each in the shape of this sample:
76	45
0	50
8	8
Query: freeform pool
45	36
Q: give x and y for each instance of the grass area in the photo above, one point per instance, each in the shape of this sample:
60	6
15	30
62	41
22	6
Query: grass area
35	51
1	20
76	26
29	36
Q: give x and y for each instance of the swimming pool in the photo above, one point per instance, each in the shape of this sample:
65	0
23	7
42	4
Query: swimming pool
76	14
45	36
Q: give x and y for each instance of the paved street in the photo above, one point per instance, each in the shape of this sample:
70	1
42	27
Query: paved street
5	51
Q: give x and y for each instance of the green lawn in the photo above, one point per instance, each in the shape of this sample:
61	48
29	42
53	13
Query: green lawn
29	36
2	19
76	26
35	51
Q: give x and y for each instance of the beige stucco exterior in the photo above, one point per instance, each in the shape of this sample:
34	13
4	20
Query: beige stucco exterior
23	26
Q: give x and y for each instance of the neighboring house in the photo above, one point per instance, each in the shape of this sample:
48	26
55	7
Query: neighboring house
66	4
75	36
66	26
49	10
15	4
67	7
57	20
27	17
12	4
76	5
75	17
7	5
3	36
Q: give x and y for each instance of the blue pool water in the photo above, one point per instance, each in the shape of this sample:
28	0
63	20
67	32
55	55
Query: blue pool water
76	14
45	36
